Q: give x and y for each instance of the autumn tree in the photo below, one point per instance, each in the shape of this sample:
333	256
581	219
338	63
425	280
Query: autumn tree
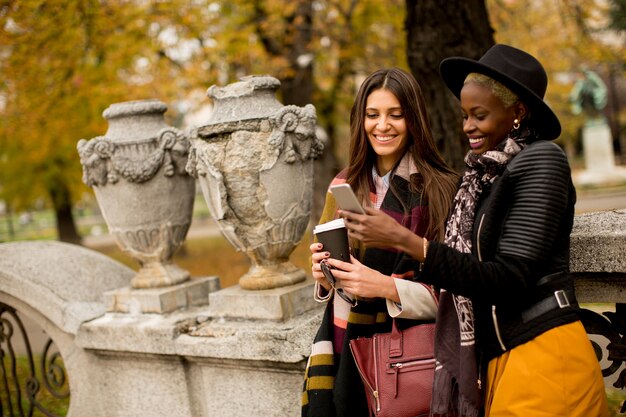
352	39
565	36
618	15
318	50
47	91
436	30
63	63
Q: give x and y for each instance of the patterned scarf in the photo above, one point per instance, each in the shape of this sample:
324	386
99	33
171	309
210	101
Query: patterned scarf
456	388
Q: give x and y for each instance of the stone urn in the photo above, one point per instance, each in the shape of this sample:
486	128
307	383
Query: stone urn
254	162
137	171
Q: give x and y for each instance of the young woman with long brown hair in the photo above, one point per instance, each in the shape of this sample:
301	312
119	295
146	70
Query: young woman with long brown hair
395	169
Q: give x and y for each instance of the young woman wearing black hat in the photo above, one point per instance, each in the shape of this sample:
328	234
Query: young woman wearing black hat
509	341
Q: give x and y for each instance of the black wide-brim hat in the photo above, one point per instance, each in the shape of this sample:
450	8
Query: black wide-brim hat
516	70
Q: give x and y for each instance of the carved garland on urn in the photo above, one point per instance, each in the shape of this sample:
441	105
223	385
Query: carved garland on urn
105	161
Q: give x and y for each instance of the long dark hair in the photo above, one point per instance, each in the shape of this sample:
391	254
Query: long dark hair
437	178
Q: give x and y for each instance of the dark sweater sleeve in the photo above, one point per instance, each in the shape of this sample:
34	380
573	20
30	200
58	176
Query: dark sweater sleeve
539	179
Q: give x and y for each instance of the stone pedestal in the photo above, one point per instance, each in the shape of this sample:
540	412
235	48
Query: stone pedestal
277	304
194	292
189	365
600	165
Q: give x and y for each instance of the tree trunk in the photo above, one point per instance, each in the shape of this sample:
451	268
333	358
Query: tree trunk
297	88
9	218
62	204
327	166
437	30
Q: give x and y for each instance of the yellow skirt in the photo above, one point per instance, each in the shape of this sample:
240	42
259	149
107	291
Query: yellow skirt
555	374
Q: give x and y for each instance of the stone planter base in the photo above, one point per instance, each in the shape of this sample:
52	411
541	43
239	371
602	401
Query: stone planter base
264	277
157	274
277	304
194	292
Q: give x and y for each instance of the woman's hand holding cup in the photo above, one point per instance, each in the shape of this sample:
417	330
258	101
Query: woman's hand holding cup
333	243
317	254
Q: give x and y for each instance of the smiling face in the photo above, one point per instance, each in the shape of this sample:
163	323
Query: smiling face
386	129
486	120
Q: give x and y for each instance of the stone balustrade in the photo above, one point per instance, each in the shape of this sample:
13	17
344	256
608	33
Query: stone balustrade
197	361
598	264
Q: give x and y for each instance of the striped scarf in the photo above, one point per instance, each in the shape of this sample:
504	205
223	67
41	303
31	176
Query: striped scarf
332	386
456	388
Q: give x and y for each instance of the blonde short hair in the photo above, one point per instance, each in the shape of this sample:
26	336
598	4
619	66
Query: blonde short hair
508	97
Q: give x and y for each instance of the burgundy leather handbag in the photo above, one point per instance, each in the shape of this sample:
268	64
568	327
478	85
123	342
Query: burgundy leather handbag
397	370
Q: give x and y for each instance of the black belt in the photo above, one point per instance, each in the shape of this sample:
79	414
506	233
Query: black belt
560	299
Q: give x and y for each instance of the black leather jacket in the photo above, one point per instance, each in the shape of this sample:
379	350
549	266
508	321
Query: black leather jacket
517	274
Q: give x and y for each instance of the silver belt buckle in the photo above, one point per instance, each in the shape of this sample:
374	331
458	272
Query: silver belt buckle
561	299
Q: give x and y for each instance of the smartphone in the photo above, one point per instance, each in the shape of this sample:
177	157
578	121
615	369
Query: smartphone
346	199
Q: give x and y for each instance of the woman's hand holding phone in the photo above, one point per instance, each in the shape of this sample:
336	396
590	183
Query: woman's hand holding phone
379	230
346	199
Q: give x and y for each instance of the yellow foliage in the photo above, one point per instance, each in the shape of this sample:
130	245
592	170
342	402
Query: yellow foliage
64	61
564	36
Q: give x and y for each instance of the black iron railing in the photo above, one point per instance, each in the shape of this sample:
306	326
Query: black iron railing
611	326
27	385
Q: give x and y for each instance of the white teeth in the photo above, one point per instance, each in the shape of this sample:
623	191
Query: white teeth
471	140
384	138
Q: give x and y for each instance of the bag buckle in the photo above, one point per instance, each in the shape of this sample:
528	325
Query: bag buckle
561	299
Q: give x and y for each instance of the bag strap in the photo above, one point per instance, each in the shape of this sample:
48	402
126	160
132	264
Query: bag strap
395	342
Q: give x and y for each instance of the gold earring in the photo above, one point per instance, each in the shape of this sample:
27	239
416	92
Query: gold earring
516	124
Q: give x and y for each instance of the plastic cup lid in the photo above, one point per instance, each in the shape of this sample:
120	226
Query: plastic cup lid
331	225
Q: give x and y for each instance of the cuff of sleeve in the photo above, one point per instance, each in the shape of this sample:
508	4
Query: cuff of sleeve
416	301
394	309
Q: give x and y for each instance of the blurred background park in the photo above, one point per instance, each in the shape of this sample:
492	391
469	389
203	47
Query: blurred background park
63	62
